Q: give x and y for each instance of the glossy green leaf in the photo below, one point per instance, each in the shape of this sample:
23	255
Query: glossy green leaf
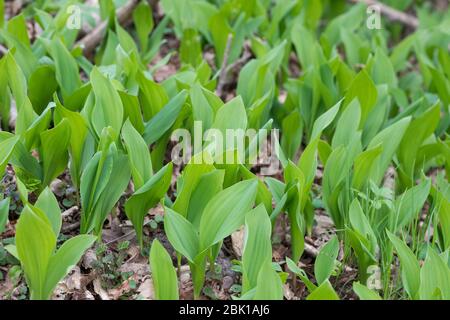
226	212
147	197
164	276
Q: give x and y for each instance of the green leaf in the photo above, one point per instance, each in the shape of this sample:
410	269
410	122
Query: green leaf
108	109
147	197
365	293
434	277
301	274
138	153
153	98
231	115
326	259
164	276
269	285
66	67
257	250
347	125
202	110
324	292
190	47
78	133
292	128
54	143
420	129
198	165
410	203
164	119
4	211
363	166
143	21
65	259
409	265
226	212
181	234
35	241
390	138
208	186
41	92
325	120
6	150
48	203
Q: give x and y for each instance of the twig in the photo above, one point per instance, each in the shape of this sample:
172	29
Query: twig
69	212
311	251
242	60
91	40
392	14
71	227
223	70
124	236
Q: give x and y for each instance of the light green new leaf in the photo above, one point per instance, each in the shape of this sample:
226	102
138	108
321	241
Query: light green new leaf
325	120
108	109
409	265
66	67
4	211
347	125
410	203
420	129
164	276
35	242
138	154
269	285
324	292
54	143
65	259
48	203
301	274
326	259
363	166
153	96
199	165
434	277
257	250
6	150
226	212
364	89
181	234
147	197
164	119
231	115
78	133
41	92
208	186
390	138
143	21
201	108
365	293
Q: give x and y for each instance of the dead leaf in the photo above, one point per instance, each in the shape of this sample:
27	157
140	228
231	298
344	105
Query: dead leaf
146	290
237	240
100	291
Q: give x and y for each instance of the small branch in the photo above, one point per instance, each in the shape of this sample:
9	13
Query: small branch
69	212
392	14
91	40
70	227
223	70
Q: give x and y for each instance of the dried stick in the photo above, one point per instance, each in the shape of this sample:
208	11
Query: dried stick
91	40
393	14
223	70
